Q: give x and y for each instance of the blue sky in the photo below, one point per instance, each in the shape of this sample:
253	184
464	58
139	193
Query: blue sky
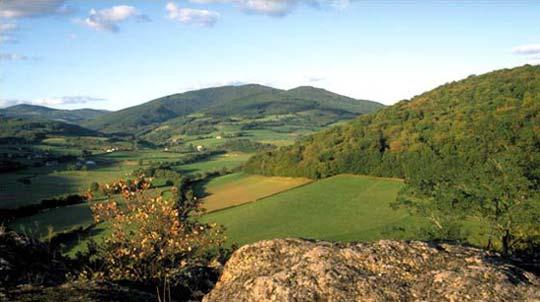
116	54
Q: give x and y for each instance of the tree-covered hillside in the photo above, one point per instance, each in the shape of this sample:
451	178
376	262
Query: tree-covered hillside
466	121
301	99
469	152
40	112
32	130
231	101
140	117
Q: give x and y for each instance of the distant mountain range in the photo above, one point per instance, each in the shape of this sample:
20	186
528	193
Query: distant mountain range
230	111
247	101
41	112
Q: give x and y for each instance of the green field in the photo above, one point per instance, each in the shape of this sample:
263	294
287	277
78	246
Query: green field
238	188
57	220
229	161
47	182
344	207
50	181
66	218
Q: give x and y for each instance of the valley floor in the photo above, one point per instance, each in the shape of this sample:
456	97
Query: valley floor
343	207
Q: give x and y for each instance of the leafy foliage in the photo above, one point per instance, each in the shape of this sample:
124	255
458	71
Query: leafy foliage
469	150
465	120
246	145
153	241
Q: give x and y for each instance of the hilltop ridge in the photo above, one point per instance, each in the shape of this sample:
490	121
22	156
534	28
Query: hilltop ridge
464	120
42	112
227	101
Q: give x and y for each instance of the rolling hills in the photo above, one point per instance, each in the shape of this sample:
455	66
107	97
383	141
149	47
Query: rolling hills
36	129
41	112
462	122
207	117
207	107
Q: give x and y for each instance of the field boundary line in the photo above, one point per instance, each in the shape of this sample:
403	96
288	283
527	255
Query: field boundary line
261	198
370	176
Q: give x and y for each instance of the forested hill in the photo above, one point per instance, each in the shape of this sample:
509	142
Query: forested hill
36	129
464	122
233	101
41	112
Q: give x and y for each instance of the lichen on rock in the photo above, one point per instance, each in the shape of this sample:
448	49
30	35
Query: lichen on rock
301	270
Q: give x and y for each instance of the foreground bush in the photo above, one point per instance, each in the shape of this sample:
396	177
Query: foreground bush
153	241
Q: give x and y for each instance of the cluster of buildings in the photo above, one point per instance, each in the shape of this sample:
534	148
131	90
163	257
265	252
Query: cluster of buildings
111	150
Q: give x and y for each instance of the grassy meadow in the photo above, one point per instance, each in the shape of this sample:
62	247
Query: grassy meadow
50	181
344	207
239	188
54	220
228	161
46	182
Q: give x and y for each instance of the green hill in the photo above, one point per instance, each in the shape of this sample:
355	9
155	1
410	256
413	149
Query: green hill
301	99
465	121
248	101
41	112
32	130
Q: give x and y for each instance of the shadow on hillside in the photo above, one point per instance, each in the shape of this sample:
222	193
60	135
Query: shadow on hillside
80	237
199	188
187	171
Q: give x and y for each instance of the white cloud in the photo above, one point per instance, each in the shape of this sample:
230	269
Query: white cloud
9	103
314	78
108	19
14	9
534	60
6	32
66	100
211	84
277	8
7	39
15	57
8	27
191	16
269	7
32	8
55	101
531	49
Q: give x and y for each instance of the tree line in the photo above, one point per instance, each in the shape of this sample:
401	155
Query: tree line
466	149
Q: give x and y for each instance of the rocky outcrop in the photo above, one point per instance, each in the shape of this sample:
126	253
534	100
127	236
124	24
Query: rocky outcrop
27	261
76	292
299	270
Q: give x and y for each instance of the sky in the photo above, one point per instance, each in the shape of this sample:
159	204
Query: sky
116	54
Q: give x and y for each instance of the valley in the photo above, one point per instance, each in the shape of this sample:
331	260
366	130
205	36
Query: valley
327	171
258	168
212	132
269	150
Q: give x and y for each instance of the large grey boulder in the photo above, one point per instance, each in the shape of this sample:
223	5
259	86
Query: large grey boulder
300	270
